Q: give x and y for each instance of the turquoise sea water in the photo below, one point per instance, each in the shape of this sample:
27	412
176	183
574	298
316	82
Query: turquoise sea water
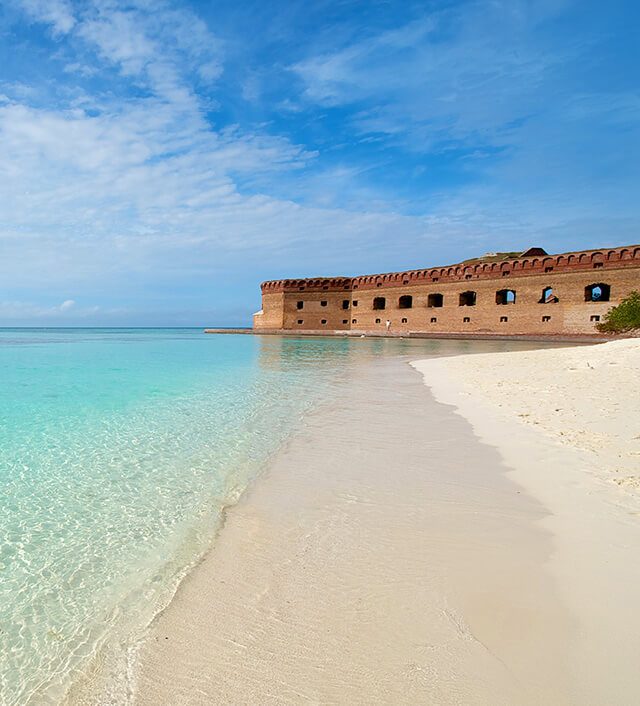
118	449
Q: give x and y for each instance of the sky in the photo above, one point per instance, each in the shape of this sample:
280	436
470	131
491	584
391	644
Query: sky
159	159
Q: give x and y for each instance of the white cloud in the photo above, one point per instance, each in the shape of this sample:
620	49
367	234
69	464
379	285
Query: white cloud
20	310
57	13
146	188
118	37
106	187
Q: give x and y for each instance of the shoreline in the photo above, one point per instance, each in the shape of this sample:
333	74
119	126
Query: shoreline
365	333
410	571
110	663
304	598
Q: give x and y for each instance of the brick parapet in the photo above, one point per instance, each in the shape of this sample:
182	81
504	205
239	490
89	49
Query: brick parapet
606	259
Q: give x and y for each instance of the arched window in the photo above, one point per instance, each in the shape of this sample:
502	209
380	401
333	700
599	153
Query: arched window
548	297
379	303
405	302
506	296
467	299
435	301
597	292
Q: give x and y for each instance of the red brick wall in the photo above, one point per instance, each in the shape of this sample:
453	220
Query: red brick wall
568	274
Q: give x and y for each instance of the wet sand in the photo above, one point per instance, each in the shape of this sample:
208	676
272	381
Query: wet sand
384	557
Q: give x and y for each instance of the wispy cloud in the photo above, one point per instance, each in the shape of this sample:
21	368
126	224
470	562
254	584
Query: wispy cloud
468	72
57	13
143	184
16	310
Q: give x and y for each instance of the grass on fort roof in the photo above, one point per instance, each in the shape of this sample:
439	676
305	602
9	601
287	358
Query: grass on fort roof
493	257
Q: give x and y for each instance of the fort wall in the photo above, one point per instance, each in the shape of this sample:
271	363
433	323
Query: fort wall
272	314
529	295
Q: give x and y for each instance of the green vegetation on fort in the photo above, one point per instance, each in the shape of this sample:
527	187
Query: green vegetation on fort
623	318
492	257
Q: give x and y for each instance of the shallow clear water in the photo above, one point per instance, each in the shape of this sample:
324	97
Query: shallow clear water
118	449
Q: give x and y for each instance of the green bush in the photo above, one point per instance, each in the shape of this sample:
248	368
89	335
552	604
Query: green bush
623	318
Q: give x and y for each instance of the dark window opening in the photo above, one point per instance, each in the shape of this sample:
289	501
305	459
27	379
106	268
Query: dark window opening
597	265
354	303
505	273
597	293
301	289
404	321
467	299
548	269
379	284
345	321
466	320
405	302
323	303
435	300
545	319
377	321
595	318
354	321
506	296
379	303
324	321
548	297
406	281
299	321
300	305
504	319
433	320
345	303
435	279
325	288
468	276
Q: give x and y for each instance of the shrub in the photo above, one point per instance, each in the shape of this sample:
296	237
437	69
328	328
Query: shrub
622	318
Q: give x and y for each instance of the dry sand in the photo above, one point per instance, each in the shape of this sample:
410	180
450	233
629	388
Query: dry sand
586	397
567	421
390	557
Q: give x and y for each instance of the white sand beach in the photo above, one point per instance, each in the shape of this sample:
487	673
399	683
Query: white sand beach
401	550
567	421
586	398
351	572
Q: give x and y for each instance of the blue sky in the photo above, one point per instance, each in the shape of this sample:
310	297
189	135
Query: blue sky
159	159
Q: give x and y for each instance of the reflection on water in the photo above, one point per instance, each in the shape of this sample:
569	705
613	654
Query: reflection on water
337	352
119	449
